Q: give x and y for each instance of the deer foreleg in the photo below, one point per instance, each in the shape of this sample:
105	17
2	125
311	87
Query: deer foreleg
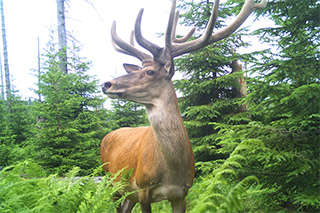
144	201
178	206
127	206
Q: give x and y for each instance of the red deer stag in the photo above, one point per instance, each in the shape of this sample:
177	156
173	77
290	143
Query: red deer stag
160	155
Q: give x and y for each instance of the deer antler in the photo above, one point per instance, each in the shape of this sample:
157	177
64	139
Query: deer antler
179	46
153	48
129	49
208	37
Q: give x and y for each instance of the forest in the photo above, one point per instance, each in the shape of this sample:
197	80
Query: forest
252	119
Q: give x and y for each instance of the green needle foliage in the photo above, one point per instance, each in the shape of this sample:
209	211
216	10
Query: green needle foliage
127	114
72	114
285	98
283	103
15	128
210	87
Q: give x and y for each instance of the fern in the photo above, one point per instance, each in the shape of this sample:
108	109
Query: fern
232	199
217	192
53	194
216	195
308	200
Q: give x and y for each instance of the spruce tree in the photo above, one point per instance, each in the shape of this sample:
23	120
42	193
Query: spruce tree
127	114
15	129
72	126
285	98
209	87
6	137
284	105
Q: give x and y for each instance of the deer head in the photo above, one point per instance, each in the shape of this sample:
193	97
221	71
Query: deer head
143	85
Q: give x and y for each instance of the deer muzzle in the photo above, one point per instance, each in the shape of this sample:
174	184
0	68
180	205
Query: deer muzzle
107	89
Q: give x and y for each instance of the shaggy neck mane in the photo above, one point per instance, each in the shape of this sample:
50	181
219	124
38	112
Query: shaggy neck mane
168	128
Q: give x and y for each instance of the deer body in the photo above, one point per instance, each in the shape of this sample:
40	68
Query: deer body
160	156
165	144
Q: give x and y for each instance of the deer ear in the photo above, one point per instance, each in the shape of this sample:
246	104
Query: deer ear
169	64
131	68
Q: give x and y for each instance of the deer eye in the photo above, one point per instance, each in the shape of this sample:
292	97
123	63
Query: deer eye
150	72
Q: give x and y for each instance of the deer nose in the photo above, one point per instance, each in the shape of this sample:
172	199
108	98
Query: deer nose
106	86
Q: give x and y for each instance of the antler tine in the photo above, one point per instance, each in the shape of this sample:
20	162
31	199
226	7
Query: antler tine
123	47
183	39
118	49
153	48
212	21
175	22
132	38
171	26
208	37
248	7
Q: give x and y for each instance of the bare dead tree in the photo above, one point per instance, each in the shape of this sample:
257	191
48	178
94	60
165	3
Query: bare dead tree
39	69
5	52
62	35
242	90
2	83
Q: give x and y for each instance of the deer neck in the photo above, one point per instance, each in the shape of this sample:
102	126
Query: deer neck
168	128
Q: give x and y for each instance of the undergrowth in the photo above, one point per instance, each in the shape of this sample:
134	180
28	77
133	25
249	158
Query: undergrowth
22	189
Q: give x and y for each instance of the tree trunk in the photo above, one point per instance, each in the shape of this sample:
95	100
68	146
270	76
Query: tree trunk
242	91
2	84
5	53
62	36
39	74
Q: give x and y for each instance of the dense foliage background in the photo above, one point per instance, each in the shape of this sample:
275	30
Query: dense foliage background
256	151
